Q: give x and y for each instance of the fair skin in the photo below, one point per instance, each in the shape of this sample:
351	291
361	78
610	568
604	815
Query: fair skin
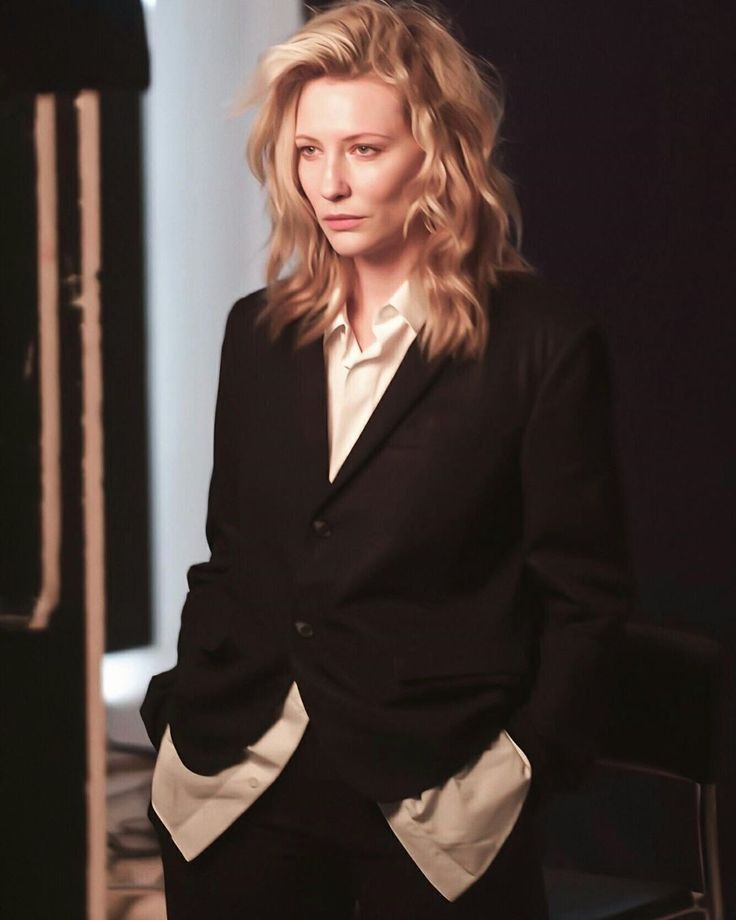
357	156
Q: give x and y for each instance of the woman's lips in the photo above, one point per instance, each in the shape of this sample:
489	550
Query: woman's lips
343	223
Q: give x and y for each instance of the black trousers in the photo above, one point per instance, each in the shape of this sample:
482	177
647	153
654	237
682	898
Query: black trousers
311	848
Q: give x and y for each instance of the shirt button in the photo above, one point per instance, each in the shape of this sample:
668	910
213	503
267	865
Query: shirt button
305	630
321	528
253	782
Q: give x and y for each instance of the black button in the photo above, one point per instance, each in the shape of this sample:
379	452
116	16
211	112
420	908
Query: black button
305	630
321	528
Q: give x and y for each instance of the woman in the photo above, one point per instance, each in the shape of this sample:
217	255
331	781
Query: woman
418	555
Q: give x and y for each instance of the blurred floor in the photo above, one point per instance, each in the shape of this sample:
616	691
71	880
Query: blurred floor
134	872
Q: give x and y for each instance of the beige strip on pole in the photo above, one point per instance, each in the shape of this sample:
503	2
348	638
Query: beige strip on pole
49	383
93	497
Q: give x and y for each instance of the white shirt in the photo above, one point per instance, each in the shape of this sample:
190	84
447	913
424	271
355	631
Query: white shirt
453	831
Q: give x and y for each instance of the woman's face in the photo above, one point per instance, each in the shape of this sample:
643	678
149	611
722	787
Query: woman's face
357	156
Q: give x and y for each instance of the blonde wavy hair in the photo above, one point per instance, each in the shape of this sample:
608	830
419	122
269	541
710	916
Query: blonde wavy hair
454	104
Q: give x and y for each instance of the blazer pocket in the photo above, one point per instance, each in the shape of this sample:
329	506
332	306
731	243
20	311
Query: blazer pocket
425	663
154	705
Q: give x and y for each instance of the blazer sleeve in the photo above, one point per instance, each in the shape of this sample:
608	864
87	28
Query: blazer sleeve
575	556
211	584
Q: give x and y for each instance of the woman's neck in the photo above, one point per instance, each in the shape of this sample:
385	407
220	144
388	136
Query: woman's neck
375	281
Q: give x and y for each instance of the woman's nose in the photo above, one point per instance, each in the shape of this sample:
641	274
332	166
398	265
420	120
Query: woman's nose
334	180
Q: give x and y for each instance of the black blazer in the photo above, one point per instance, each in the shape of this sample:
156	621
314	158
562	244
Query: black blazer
465	572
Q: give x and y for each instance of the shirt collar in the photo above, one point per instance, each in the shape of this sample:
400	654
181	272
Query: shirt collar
409	299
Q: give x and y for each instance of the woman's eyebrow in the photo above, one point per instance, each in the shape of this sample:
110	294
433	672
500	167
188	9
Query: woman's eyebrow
352	137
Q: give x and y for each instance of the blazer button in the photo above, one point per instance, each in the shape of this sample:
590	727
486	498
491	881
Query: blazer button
305	630
321	528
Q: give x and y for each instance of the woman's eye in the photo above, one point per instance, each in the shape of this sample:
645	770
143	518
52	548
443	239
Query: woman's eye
363	149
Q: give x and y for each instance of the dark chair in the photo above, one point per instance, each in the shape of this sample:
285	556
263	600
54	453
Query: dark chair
665	720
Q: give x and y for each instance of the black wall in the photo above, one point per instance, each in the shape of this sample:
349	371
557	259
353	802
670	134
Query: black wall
127	516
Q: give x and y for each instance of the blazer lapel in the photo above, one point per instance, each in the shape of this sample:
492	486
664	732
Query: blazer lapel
412	378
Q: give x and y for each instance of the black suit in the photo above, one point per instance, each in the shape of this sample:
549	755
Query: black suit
465	572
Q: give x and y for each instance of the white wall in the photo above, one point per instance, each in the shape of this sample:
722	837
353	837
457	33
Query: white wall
206	232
